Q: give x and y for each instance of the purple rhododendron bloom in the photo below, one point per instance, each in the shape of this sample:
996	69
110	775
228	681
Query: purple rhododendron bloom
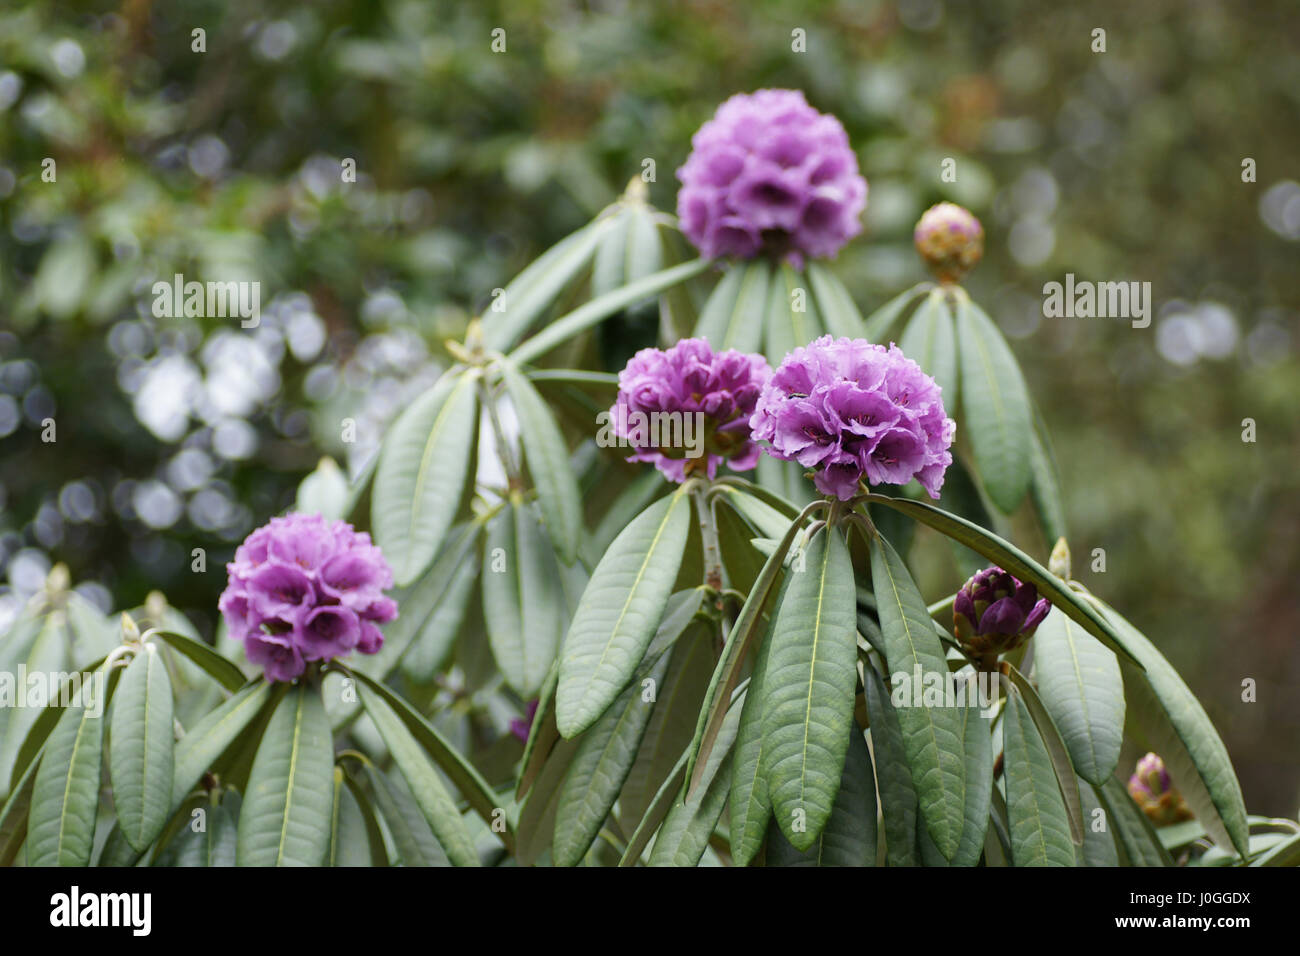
1153	790
950	240
686	409
850	409
521	727
995	612
301	589
770	174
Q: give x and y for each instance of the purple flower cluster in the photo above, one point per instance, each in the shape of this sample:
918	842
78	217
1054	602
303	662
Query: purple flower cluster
851	409
994	612
771	174
708	397
302	588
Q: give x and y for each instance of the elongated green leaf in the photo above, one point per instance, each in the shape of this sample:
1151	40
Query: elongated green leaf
430	793
325	491
930	341
601	308
808	690
141	757
374	836
536	827
718	308
1081	687
1178	729
1038	823
996	409
879	323
726	675
14	815
421	474
672	723
619	612
1012	559
48	655
604	757
548	462
522	599
413	841
849	838
285	817
1045	488
208	739
750	801
1135	838
219	668
473	788
536	287
977	746
835	306
214	844
643	253
607	266
1057	752
792	317
61	823
1098	847
932	735
898	807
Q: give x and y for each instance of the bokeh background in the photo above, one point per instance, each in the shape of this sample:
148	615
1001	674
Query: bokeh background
1122	165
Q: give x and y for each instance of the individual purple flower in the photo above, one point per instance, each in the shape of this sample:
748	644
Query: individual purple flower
994	612
302	589
771	175
852	410
686	409
950	240
521	727
1153	790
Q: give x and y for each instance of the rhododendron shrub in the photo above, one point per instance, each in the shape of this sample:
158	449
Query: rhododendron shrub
660	608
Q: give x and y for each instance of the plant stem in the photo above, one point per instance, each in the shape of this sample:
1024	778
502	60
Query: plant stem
709	537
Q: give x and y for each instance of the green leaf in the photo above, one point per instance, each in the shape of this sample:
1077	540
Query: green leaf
1177	727
898	808
522	599
672	723
214	845
285	818
930	342
141	758
734	312
834	305
1098	847
882	320
536	287
536	827
219	668
602	307
808	689
421	474
1135	838
325	491
374	835
1039	826
932	736
14	815
548	462
1012	559
849	838
726	675
430	793
792	318
1045	488
751	804
413	841
1081	687
48	655
1056	750
619	612
996	408
65	799
978	750
599	769
607	266
207	740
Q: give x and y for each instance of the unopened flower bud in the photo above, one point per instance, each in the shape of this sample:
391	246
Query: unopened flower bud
950	241
1153	790
994	612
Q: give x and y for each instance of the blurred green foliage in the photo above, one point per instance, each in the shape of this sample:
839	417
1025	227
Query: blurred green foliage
225	164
